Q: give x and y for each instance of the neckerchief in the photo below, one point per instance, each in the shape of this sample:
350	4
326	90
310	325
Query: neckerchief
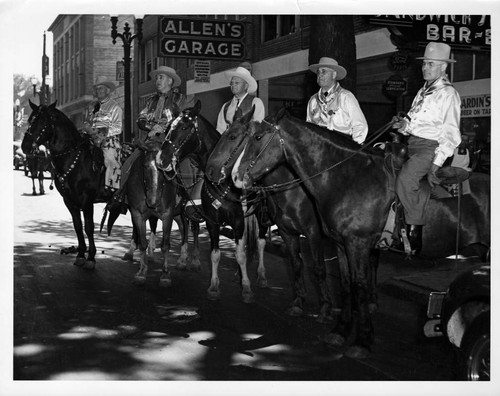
331	96
436	85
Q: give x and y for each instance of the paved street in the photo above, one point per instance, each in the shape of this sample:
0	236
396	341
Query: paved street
71	324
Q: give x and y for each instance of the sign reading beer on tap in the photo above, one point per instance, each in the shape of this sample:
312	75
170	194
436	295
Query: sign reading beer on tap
201	38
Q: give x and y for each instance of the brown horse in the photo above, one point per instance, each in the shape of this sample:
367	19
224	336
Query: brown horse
191	134
353	196
291	209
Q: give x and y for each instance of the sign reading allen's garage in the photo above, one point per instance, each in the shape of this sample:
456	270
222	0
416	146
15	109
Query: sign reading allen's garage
201	38
460	31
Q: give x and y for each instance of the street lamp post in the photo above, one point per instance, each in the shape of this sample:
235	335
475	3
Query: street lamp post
127	38
34	82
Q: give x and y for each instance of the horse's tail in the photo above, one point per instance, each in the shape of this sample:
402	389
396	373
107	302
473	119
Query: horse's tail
251	232
114	210
103	220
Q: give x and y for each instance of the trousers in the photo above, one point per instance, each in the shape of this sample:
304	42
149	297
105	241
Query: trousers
111	149
414	196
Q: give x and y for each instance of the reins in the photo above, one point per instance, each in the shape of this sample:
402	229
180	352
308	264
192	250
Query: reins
291	183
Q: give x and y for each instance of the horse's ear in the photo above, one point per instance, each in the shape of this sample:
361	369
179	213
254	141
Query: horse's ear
280	113
53	105
197	107
33	106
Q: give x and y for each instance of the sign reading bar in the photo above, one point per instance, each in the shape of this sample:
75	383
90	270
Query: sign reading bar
457	30
475	106
201	38
202	71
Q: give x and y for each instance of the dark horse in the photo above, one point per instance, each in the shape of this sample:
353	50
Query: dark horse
151	196
191	134
290	208
353	195
38	162
78	170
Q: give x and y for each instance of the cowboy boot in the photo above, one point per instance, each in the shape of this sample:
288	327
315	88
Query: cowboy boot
414	233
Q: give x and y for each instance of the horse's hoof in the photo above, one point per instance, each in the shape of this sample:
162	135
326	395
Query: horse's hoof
139	280
334	339
262	283
128	257
195	267
80	261
248	298
213	295
165	283
89	265
295	311
357	352
181	266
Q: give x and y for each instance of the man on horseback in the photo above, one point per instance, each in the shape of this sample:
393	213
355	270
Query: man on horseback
433	128
155	118
335	107
104	125
241	83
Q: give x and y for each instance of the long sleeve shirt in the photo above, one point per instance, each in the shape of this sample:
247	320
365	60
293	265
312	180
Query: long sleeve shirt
224	120
109	116
338	111
435	115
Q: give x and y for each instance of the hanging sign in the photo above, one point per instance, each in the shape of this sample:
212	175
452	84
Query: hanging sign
475	106
202	71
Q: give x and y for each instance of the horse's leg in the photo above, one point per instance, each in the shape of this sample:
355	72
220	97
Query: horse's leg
129	255
359	258
372	285
261	269
88	215
167	219
319	269
292	243
40	181
241	259
153	223
182	261
195	264
213	292
342	332
33	183
140	227
78	226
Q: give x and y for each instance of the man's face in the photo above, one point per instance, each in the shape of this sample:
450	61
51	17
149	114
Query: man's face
326	77
238	86
433	69
101	92
163	83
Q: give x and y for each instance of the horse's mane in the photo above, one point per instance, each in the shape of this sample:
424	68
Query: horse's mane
58	116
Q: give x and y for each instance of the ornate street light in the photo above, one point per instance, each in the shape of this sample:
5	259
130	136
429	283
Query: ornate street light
127	38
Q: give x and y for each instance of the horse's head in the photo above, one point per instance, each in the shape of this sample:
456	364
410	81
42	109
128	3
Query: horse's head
264	151
228	149
40	127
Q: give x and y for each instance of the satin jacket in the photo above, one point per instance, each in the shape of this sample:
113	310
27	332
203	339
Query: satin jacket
435	115
108	116
339	111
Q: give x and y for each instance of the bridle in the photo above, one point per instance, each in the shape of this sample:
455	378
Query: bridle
291	183
193	130
223	174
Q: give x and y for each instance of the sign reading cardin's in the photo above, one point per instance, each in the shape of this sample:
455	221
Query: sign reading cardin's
201	38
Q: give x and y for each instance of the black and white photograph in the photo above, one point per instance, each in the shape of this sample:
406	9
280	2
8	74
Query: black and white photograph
248	198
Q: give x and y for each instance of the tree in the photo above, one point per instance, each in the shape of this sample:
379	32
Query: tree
333	36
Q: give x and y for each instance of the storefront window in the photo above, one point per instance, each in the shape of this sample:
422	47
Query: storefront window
274	26
482	65
463	68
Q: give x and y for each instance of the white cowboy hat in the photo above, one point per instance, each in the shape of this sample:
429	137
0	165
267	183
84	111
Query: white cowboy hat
168	71
437	52
244	74
101	80
329	63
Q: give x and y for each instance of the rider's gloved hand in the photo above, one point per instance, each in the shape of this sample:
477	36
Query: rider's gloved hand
431	176
400	123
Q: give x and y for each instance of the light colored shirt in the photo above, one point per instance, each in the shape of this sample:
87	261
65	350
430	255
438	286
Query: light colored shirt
222	122
338	111
435	115
108	116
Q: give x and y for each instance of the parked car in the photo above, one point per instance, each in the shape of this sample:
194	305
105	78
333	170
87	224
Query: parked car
462	314
19	157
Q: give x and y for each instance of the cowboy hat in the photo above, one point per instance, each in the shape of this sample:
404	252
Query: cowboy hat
244	74
437	52
329	63
168	71
101	80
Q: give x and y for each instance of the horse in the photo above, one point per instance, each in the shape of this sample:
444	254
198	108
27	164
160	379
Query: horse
191	134
38	162
151	196
353	195
291	209
78	171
